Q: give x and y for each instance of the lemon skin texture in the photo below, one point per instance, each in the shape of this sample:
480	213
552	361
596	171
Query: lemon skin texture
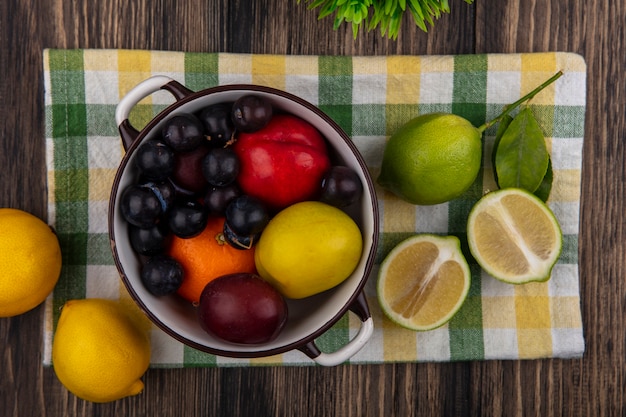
30	261
308	248
100	350
432	159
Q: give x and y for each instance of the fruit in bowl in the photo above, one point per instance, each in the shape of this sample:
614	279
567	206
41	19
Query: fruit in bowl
284	162
339	180
308	248
242	308
277	161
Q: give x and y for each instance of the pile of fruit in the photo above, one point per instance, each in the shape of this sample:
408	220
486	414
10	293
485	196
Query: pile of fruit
231	204
238	207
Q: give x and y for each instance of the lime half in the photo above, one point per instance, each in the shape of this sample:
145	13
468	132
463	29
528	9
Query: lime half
423	281
514	236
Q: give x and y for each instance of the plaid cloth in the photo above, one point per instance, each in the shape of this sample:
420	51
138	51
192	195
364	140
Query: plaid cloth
370	97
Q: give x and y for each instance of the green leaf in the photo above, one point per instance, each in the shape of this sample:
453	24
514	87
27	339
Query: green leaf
389	6
543	191
317	3
383	14
416	8
418	15
502	126
521	155
394	27
327	9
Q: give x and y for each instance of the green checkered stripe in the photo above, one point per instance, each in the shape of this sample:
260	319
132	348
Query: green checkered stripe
370	97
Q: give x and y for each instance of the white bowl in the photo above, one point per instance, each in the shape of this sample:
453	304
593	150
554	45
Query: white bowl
308	318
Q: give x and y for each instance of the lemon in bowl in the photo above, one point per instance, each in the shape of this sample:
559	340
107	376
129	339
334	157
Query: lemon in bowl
308	248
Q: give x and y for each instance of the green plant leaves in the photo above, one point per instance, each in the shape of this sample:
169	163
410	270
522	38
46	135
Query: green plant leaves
386	15
520	156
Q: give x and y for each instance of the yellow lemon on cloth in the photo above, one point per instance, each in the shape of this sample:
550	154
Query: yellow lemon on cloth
514	236
432	159
100	350
30	261
423	281
307	248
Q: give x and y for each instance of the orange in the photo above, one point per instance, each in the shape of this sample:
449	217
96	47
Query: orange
206	257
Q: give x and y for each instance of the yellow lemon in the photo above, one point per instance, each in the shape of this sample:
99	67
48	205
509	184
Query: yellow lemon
100	350
30	261
307	248
514	236
432	159
423	281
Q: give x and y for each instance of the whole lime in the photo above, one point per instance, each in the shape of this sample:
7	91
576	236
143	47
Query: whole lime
307	248
432	159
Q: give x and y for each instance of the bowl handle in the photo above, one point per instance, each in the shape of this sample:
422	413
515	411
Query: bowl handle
360	308
138	93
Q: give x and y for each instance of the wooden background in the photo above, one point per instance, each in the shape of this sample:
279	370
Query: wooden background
591	386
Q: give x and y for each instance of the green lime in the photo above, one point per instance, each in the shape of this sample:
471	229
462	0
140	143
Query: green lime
432	159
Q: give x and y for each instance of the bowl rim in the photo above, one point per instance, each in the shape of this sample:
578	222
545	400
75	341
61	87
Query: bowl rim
356	296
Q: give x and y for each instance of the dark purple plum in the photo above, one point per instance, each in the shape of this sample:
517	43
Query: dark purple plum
251	113
162	275
149	241
187	219
188	169
183	132
218	125
242	308
341	186
155	159
220	166
141	206
246	215
217	199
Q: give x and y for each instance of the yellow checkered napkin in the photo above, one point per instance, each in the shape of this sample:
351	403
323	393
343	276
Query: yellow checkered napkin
370	97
